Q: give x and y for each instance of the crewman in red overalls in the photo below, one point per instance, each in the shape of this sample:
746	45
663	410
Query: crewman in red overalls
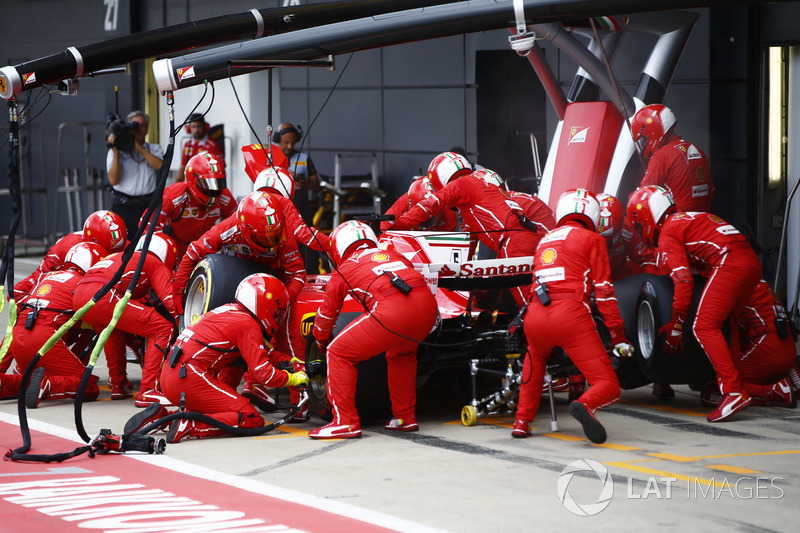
213	343
672	161
707	244
139	317
571	264
400	311
192	207
257	231
498	220
49	307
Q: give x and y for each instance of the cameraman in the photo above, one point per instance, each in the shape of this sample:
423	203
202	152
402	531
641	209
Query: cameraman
131	164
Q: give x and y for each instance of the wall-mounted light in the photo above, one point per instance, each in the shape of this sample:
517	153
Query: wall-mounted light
776	117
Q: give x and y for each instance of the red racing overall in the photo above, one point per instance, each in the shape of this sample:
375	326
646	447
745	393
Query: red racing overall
137	318
52	295
209	346
186	219
683	168
283	261
766	357
395	323
708	244
573	262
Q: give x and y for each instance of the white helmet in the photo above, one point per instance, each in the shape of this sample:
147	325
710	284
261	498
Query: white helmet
490	177
163	247
580	205
84	255
446	167
276	179
347	234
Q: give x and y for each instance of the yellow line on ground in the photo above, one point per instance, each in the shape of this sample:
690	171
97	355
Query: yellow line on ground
563	436
672	457
288	431
665	474
691	411
619	447
733	469
751	454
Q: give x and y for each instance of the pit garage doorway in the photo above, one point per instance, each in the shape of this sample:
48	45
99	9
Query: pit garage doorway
511	104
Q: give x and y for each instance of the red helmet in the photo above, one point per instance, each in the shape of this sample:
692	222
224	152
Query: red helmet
274	179
491	178
84	255
266	298
447	166
107	229
580	205
163	246
612	215
648	206
348	234
205	177
260	220
419	190
650	126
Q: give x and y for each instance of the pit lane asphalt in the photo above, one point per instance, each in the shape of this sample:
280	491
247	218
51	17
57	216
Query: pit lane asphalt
670	468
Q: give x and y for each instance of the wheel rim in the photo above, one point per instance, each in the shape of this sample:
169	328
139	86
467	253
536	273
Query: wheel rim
197	298
469	415
646	329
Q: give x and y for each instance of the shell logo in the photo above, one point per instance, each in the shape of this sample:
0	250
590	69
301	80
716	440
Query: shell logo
44	289
548	256
380	257
715	218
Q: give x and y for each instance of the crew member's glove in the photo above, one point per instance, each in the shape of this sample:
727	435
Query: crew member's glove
673	332
622	350
297	379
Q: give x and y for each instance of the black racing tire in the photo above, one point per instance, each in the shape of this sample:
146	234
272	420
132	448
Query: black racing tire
213	283
372	391
653	310
629	373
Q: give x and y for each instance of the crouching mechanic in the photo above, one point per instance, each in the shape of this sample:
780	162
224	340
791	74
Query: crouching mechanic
570	263
48	308
139	317
400	312
256	231
241	329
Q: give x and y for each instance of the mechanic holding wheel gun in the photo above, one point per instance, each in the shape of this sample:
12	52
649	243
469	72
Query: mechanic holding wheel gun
570	263
191	375
257	231
400	312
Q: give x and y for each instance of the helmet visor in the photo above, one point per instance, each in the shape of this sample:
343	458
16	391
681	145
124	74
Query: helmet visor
211	184
268	240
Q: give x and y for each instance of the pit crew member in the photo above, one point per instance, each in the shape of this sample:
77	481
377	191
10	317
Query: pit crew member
256	231
570	264
707	244
213	343
400	311
673	162
49	307
139	317
192	207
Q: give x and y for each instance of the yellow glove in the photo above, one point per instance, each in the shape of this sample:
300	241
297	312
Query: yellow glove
296	379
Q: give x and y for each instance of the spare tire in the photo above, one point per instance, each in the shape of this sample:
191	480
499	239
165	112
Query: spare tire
213	283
